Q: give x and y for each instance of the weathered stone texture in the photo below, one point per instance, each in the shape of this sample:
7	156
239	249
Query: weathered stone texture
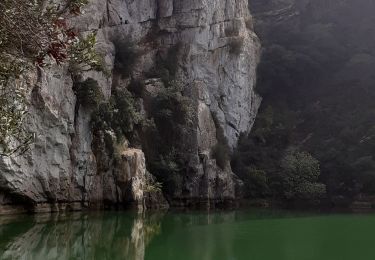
61	167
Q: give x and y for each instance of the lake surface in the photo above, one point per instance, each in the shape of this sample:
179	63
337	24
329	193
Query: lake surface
245	234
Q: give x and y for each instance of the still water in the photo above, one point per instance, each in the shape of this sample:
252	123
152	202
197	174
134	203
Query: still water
249	234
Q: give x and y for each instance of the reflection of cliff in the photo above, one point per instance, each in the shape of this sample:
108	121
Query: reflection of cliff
105	236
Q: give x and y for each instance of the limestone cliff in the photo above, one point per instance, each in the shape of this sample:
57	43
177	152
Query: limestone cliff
216	63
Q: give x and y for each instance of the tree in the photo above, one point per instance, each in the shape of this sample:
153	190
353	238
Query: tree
300	174
34	33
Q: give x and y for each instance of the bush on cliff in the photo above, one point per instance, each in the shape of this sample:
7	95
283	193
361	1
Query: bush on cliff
236	46
35	32
137	87
172	109
126	55
88	93
166	142
119	114
166	65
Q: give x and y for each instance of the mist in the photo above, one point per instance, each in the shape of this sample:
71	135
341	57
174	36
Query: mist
316	78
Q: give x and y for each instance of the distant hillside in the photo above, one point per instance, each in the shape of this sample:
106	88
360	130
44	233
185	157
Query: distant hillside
317	79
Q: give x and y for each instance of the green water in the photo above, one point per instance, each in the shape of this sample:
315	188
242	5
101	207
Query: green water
253	235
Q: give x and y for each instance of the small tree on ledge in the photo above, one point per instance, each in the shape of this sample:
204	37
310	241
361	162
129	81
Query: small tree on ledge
34	33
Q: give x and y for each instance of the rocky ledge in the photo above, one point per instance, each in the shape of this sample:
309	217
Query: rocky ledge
216	62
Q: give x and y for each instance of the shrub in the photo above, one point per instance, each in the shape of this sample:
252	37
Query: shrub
166	67
88	93
84	57
310	191
256	182
126	55
300	166
125	116
172	113
154	187
163	143
171	106
236	45
119	114
166	168
300	173
137	87
34	33
101	118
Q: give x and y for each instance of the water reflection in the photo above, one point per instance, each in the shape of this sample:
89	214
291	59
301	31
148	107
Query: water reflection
78	236
250	235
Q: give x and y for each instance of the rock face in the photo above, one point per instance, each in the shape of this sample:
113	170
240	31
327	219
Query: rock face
217	65
275	13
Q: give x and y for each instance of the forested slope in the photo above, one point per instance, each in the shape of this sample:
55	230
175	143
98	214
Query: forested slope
317	80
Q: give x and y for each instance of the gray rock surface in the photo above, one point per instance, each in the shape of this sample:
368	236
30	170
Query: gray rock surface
218	67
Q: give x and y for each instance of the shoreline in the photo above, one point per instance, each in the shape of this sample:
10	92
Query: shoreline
185	206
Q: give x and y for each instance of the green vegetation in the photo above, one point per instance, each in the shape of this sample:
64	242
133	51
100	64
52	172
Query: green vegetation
161	129
173	115
300	174
166	65
126	55
256	183
83	56
137	87
116	124
48	40
118	114
171	107
163	126
316	79
165	141
236	46
88	93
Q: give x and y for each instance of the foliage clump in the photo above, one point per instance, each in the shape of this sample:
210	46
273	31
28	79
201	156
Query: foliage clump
137	87
34	33
300	175
173	115
167	64
126	55
171	107
88	93
236	45
119	114
275	172
320	87
256	183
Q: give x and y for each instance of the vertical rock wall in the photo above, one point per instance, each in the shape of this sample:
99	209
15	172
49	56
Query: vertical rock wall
217	66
